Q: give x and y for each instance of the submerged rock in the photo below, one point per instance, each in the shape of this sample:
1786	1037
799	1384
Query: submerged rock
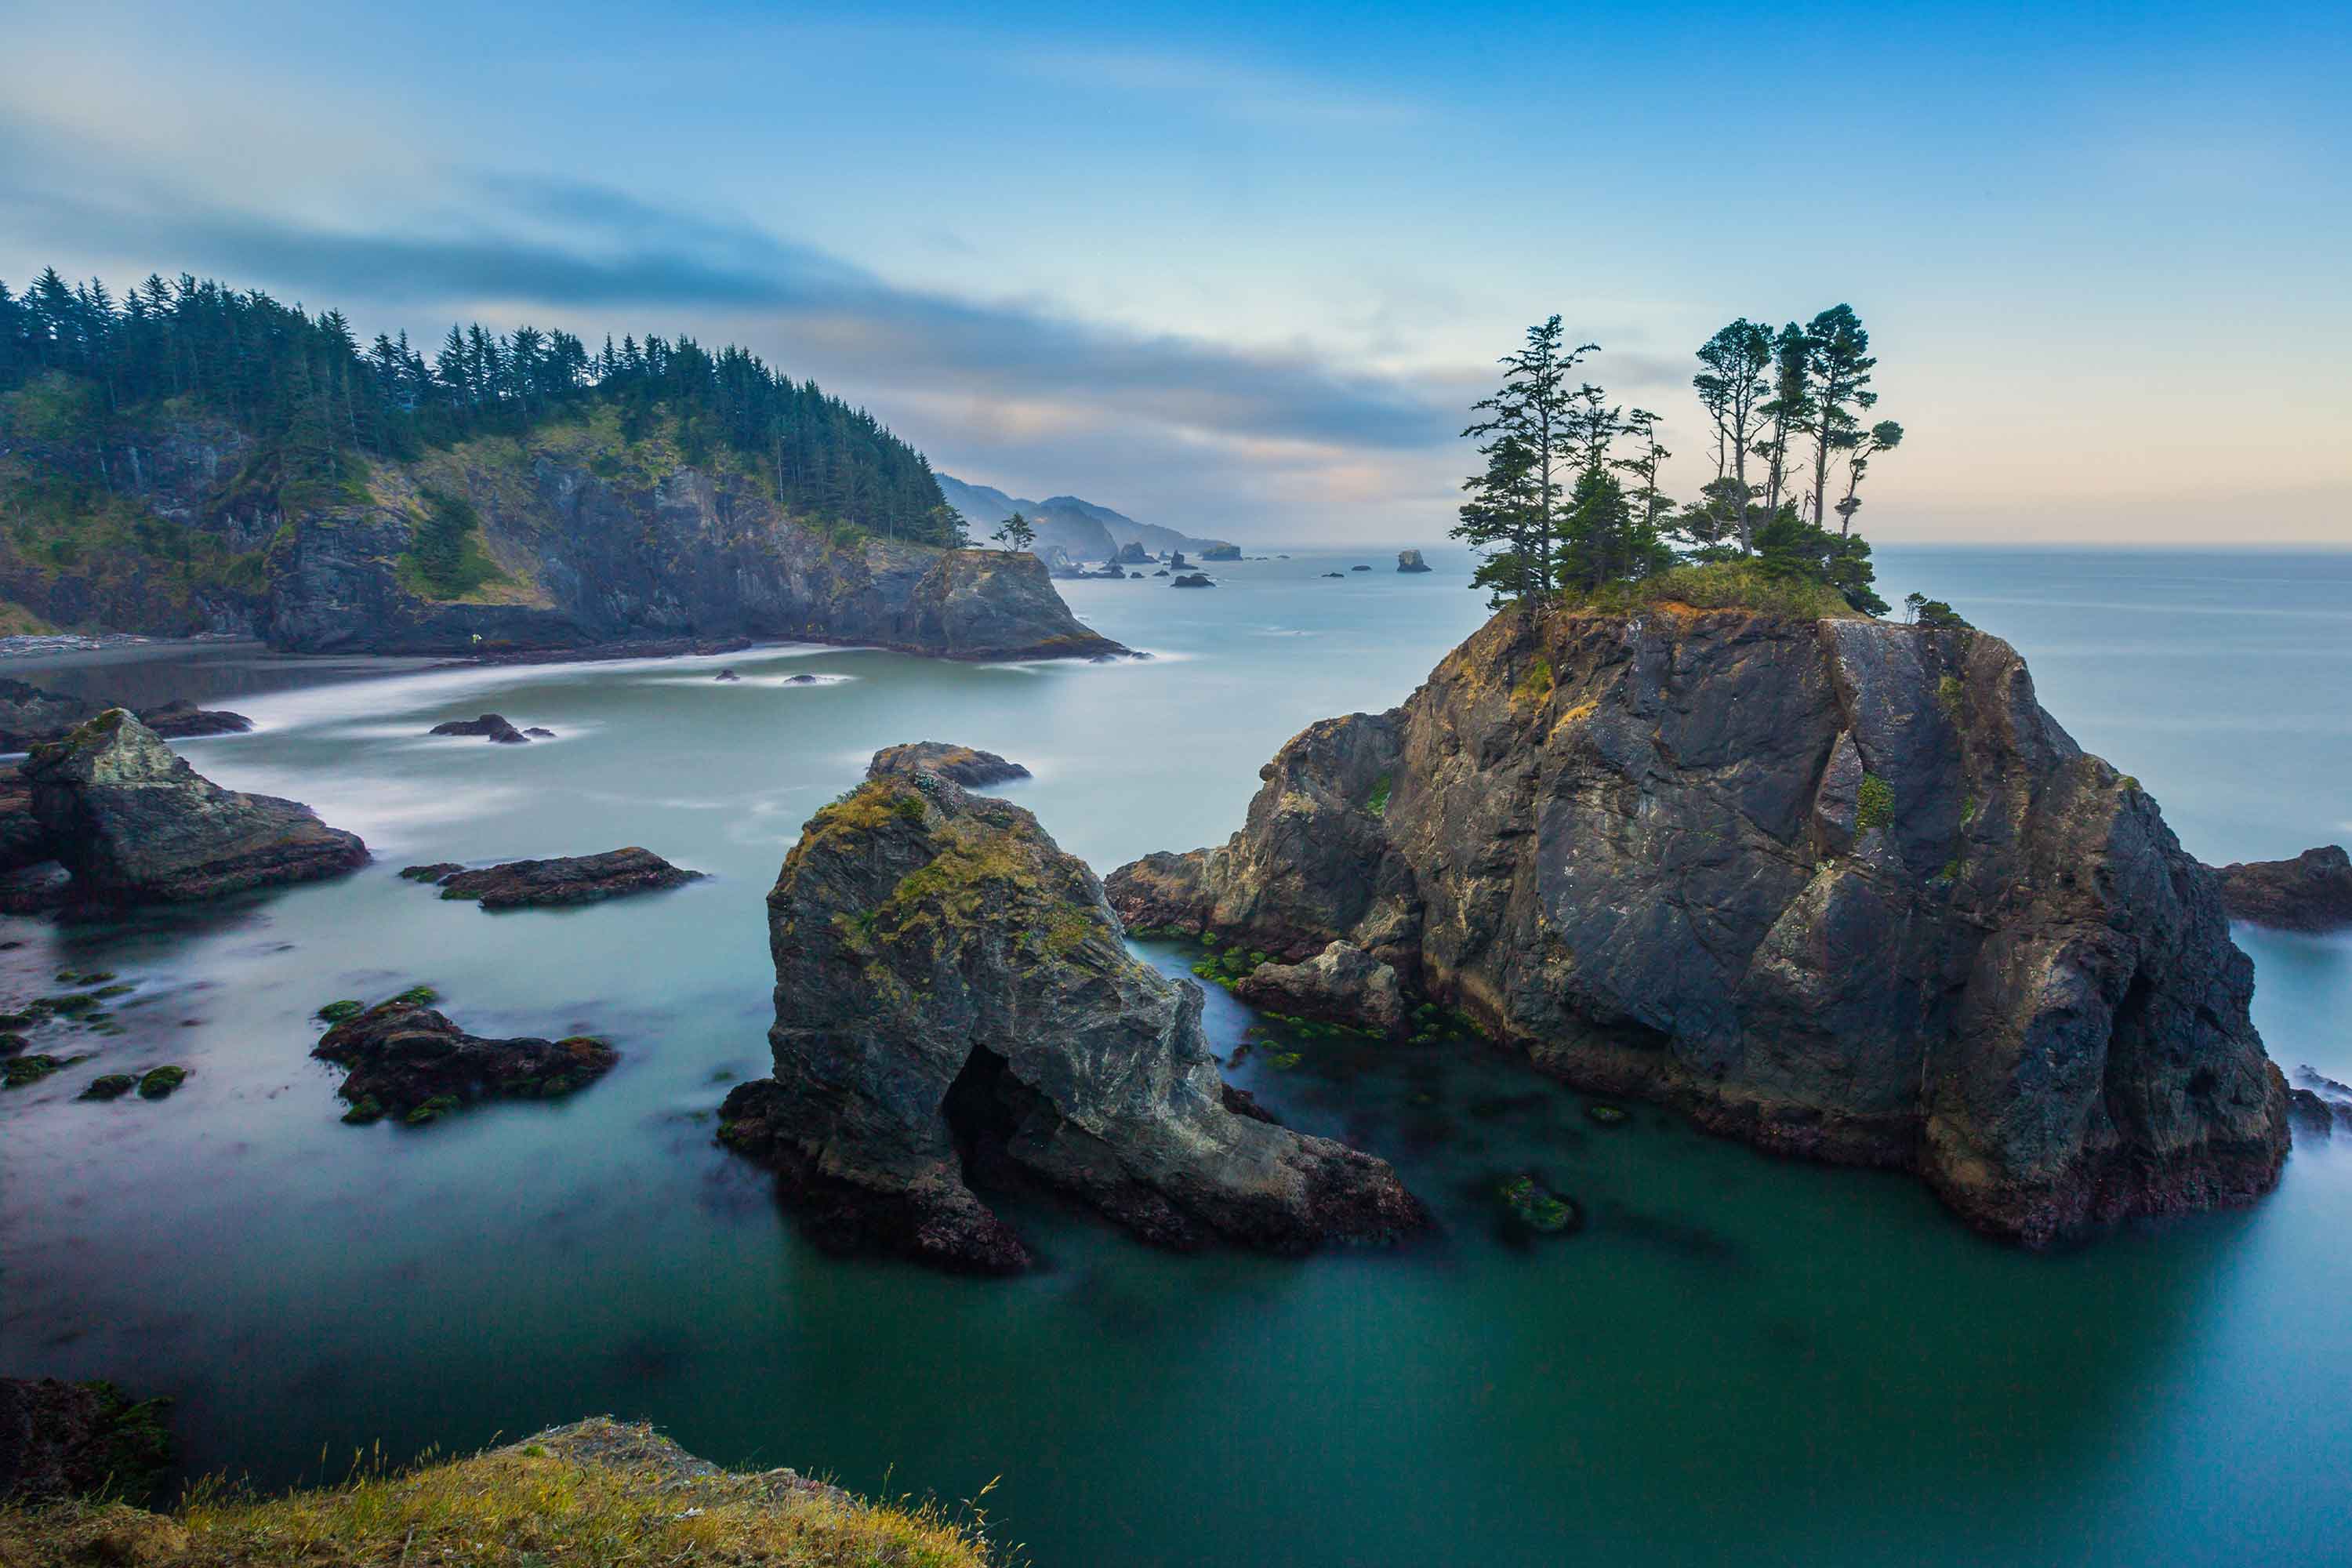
958	764
135	822
492	727
1841	888
2312	892
64	1439
565	879
1343	983
727	675
952	997
408	1061
1411	561
182	720
1538	1207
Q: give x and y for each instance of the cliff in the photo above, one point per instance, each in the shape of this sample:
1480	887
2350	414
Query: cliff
573	534
1841	888
953	998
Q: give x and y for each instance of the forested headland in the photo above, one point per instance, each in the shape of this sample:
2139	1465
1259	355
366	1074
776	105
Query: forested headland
92	372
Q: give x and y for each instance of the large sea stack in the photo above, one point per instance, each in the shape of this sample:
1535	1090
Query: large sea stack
135	824
953	997
1841	889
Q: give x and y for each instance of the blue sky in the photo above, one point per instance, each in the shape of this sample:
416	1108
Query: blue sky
1245	274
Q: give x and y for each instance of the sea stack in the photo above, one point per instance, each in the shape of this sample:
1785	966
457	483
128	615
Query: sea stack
1841	889
953	997
1411	561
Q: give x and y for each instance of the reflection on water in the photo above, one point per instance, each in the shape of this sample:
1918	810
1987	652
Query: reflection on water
1736	1360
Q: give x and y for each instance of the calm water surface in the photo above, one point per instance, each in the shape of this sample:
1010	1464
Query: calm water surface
1736	1360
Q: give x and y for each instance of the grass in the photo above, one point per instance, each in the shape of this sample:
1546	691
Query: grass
1874	803
600	1495
1724	585
1379	803
444	559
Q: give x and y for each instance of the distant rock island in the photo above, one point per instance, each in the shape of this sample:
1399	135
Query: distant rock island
1838	888
1079	528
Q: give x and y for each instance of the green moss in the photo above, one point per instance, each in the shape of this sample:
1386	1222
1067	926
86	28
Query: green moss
2127	782
11	1043
1282	1061
18	1020
366	1109
1536	1207
110	1085
1874	803
160	1082
1970	808
108	993
67	1006
421	996
24	1071
432	1110
1378	804
341	1012
1534	686
1605	1115
1949	693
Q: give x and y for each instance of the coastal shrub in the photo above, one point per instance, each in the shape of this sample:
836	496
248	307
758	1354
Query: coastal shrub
1947	694
340	1011
1533	686
1378	804
444	559
1723	585
1874	803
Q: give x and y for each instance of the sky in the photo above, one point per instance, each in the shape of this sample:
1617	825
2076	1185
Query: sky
1245	274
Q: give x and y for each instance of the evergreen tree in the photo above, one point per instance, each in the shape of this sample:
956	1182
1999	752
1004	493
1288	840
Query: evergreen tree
1788	412
1529	448
1837	367
1014	532
1731	387
1507	521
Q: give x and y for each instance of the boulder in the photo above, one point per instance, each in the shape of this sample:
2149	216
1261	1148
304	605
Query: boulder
1841	888
954	999
1343	984
1411	561
491	727
31	717
553	883
2312	892
407	1061
727	675
61	1440
1192	580
957	764
23	840
135	822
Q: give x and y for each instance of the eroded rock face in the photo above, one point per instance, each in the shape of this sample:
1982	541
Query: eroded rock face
30	716
561	881
494	728
953	994
64	1439
2312	892
135	822
964	765
1841	888
410	1062
598	562
1411	561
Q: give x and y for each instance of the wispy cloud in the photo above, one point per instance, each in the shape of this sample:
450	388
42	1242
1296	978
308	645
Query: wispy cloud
1227	88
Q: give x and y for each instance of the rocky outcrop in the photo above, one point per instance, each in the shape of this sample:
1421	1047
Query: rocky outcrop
2312	892
410	1062
1342	985
1192	580
953	1000
588	561
64	1439
1411	561
554	883
31	717
958	764
1841	888
494	728
135	822
1222	552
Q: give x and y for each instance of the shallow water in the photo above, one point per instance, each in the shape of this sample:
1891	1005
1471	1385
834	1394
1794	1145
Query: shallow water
1736	1360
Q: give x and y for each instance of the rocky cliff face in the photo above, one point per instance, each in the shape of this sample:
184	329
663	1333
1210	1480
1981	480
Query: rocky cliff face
589	561
585	539
953	996
1843	889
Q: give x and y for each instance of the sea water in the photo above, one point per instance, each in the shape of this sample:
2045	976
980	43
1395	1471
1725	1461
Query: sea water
1735	1359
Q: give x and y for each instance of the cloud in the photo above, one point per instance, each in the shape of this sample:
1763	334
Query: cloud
568	250
1251	94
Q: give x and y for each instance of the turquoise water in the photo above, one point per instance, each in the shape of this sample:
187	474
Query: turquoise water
1736	1360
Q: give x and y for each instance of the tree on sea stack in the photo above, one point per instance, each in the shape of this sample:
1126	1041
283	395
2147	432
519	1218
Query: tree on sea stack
1837	367
1732	389
1529	443
1015	533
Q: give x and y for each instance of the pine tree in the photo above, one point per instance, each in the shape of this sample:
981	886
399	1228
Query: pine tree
1529	448
1837	367
1731	387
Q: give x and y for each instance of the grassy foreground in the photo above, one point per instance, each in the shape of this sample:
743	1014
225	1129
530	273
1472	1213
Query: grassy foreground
1724	585
597	1494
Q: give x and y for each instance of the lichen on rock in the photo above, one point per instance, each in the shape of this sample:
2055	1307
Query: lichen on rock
954	1001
